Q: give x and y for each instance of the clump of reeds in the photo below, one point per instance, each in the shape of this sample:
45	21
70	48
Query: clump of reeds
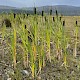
64	45
37	38
23	33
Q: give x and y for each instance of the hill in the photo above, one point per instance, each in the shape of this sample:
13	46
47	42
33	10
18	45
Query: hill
6	7
62	9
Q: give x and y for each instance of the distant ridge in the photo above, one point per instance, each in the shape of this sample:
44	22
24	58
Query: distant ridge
7	7
65	10
62	9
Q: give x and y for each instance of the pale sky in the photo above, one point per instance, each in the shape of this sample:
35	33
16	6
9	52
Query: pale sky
30	3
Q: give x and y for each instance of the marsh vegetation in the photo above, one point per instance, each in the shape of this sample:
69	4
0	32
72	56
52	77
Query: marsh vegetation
39	47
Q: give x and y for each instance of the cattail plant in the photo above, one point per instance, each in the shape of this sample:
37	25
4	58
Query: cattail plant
64	45
34	47
33	60
76	39
13	47
56	37
23	33
48	37
58	33
41	55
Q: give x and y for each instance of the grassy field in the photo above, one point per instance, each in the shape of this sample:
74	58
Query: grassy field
35	47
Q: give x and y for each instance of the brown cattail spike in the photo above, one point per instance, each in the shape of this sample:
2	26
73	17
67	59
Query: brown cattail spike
50	12
25	27
42	13
27	14
76	23
34	10
56	13
60	18
53	19
14	15
63	23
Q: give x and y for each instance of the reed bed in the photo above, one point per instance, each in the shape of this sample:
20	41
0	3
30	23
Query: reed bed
35	35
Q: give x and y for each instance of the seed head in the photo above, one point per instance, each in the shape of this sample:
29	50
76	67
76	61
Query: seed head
34	10
25	26
14	15
56	13
63	23
60	18
27	14
76	23
51	12
42	13
53	19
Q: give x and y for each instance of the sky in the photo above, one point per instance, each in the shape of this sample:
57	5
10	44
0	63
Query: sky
30	3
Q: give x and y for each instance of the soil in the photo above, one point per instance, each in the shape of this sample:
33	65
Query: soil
52	71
